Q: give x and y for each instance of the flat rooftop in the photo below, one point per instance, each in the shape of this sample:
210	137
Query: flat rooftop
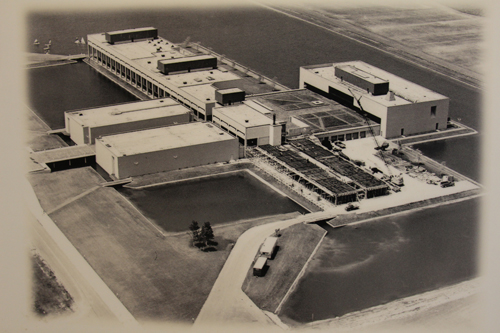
164	138
244	115
199	77
142	49
405	92
143	55
63	154
318	112
129	112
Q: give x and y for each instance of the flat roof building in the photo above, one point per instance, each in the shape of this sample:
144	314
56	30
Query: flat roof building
161	68
400	106
270	118
84	126
164	149
251	127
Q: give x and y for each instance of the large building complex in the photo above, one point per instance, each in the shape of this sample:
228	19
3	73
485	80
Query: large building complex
402	107
244	111
164	149
272	117
251	127
160	68
84	126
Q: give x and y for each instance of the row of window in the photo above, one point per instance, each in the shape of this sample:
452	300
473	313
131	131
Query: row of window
141	82
348	136
224	126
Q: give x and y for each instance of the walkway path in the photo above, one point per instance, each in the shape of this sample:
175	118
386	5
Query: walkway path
227	303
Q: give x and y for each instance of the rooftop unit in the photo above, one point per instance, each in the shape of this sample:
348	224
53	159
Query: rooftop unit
187	64
229	96
373	84
131	34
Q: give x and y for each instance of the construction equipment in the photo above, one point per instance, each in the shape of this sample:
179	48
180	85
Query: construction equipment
447	181
395	180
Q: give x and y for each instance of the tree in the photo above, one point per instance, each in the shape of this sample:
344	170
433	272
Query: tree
327	143
195	232
207	234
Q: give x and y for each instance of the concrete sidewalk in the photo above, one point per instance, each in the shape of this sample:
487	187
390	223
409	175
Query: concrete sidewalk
227	304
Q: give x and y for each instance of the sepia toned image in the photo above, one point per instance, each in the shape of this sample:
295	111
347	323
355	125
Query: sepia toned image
257	166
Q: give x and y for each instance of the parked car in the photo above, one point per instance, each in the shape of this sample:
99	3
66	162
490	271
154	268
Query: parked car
350	206
340	144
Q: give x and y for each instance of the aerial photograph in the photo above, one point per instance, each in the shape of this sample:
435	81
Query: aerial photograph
263	165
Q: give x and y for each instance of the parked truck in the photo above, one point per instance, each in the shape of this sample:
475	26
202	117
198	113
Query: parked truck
447	181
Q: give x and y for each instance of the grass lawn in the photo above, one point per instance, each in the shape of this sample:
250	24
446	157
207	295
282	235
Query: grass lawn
53	189
50	297
156	275
296	245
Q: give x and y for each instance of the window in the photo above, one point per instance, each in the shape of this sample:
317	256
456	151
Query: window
433	111
355	136
334	138
340	137
437	126
348	136
362	134
402	131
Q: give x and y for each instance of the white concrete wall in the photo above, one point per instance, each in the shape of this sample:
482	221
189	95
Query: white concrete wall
177	158
263	141
77	131
104	157
261	133
413	117
275	135
314	79
257	132
416	118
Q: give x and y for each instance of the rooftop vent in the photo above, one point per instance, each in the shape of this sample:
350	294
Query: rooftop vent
390	96
317	102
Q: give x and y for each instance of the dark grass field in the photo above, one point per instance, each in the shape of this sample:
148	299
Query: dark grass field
49	296
156	275
296	245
